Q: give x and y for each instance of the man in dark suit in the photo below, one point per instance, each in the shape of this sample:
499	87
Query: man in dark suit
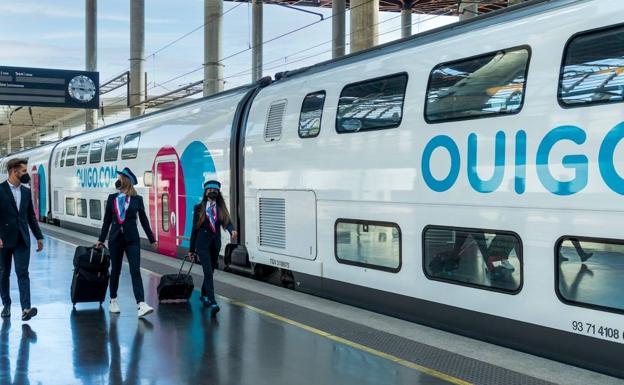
17	214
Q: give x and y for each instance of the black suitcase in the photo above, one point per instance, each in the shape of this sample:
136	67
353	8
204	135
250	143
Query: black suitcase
89	286
91	259
176	286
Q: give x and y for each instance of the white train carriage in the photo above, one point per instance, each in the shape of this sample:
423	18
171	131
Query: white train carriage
468	178
39	170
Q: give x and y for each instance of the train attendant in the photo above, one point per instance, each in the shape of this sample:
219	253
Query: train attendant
122	210
208	218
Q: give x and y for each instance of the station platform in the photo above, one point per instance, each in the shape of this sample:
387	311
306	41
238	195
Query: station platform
264	334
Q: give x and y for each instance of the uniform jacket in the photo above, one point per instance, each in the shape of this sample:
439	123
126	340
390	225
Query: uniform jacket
128	229
202	236
14	222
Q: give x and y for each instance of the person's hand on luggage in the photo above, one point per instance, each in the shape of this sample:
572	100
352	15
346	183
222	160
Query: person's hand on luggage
39	245
192	257
99	245
155	245
1	244
234	235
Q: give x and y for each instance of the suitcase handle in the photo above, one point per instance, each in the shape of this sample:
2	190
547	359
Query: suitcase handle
189	270
101	257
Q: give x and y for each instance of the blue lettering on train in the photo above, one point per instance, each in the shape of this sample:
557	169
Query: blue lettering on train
575	161
93	177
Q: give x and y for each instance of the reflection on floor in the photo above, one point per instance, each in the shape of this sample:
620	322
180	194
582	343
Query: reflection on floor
178	344
597	280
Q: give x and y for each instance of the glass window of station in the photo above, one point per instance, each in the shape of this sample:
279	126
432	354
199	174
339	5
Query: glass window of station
590	271
372	104
593	68
489	259
368	244
481	86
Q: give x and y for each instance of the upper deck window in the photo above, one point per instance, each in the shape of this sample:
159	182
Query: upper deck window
481	86
96	152
83	153
131	146
372	104
63	158
311	114
71	156
112	149
593	68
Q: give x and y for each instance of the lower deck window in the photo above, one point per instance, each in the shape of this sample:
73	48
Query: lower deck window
368	244
590	271
81	208
483	258
95	208
70	206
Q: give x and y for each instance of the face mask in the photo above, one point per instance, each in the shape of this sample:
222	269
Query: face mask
25	179
117	184
213	195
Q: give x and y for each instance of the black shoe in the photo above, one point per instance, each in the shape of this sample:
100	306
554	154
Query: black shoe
214	309
6	312
29	313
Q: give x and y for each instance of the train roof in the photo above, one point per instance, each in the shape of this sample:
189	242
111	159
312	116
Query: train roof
505	15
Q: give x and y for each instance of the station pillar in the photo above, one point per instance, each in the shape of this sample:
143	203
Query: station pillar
91	54
256	37
468	9
137	53
406	19
339	10
213	31
364	24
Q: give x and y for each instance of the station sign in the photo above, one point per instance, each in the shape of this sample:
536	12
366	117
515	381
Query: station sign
42	87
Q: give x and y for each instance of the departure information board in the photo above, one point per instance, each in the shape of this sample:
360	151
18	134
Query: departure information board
49	87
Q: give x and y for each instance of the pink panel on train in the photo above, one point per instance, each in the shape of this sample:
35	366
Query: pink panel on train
167	218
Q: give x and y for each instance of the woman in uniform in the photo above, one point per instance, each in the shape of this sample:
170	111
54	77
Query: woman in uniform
208	218
120	218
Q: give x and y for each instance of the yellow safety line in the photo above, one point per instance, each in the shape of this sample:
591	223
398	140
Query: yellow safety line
355	345
340	340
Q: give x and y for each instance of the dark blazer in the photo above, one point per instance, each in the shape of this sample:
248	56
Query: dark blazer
201	237
14	222
128	229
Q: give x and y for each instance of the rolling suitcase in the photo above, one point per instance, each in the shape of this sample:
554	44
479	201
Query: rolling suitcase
176	286
89	286
91	259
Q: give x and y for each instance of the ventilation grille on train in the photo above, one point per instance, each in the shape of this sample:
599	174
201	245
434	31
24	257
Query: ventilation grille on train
275	120
273	222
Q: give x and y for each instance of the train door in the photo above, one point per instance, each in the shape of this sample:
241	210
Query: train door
167	204
34	186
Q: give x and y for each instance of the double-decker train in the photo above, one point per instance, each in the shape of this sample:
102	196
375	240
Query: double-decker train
470	178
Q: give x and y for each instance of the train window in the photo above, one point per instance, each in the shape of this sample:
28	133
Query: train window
81	208
95	209
63	158
368	244
593	68
83	153
95	156
372	104
112	149
57	209
71	156
70	206
131	146
477	87
56	159
311	114
489	259
165	212
589	272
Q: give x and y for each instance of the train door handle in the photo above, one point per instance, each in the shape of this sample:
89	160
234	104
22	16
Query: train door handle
173	219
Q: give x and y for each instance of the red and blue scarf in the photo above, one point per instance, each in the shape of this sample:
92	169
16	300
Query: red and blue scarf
121	204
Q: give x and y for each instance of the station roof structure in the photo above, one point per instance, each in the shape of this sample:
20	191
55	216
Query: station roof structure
429	7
